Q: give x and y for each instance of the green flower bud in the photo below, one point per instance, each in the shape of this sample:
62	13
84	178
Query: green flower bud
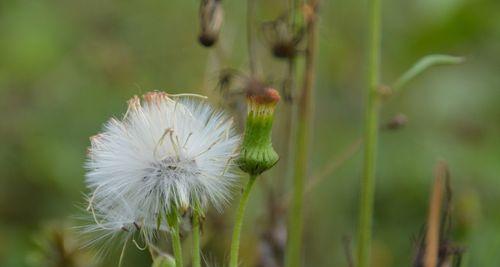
257	154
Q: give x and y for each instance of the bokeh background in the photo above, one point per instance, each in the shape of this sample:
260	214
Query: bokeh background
67	66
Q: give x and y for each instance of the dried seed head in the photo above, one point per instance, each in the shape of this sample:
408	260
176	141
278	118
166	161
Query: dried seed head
164	155
283	39
397	122
211	17
284	49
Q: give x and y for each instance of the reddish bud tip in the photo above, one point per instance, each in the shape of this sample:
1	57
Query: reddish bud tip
264	95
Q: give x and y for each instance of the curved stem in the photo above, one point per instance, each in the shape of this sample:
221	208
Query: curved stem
235	243
370	137
422	65
173	220
196	239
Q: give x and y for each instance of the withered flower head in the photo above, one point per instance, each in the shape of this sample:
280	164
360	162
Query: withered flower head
282	37
211	17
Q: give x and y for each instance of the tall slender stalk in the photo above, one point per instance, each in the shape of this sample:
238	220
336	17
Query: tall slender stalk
173	220
176	245
251	45
235	243
196	238
435	204
289	113
370	136
293	250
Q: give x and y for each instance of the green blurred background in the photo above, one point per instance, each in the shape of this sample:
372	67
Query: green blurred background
67	66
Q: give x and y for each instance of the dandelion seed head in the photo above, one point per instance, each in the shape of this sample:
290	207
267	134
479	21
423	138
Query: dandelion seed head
165	153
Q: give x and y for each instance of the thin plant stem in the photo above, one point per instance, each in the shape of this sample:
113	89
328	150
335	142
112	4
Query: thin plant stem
292	6
293	249
196	238
370	136
433	221
288	109
347	250
289	116
251	45
152	253
174	223
235	243
328	169
333	164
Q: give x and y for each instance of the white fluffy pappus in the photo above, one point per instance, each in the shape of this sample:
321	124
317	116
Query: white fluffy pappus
165	153
111	222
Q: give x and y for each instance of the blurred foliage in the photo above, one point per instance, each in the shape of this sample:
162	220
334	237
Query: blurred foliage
58	246
67	66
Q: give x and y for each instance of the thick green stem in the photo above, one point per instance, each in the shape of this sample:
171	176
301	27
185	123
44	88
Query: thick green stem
370	137
173	220
235	243
293	249
196	239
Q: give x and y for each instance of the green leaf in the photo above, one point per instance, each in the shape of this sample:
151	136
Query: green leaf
422	65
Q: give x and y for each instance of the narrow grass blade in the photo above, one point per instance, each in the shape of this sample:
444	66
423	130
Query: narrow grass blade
424	64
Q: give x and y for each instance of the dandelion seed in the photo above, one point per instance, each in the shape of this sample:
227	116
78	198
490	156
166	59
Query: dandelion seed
166	153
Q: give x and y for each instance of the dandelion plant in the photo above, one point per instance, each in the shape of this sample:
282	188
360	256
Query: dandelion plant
165	157
257	153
